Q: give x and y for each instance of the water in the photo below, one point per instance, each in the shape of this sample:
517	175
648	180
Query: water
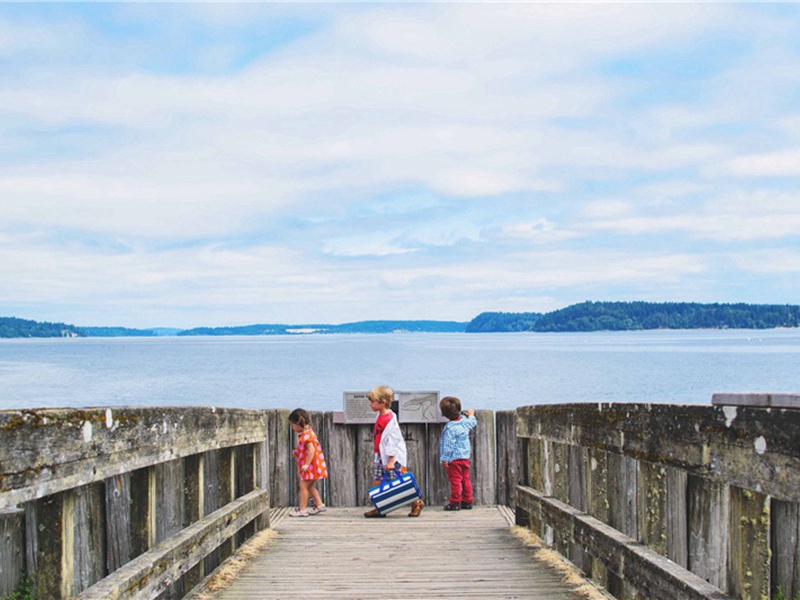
492	371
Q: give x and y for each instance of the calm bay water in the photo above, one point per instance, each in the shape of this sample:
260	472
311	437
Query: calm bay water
492	371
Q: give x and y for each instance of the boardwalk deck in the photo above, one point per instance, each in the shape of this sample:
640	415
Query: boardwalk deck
339	554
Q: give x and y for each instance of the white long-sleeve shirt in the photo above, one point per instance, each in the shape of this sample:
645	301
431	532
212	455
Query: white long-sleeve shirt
393	444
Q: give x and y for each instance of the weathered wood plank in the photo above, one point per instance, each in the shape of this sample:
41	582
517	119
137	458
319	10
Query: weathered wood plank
118	521
652	508
708	526
749	555
261	461
507	457
647	572
150	574
318	425
438	492
211	500
484	456
88	526
193	507
416	445
623	493
365	453
62	449
752	448
339	446
677	546
169	499
578	478
54	573
12	549
490	562
282	486
785	545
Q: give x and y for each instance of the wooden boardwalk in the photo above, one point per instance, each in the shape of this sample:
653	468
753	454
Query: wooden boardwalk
340	554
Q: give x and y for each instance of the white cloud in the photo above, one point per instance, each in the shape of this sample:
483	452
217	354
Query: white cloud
785	163
780	261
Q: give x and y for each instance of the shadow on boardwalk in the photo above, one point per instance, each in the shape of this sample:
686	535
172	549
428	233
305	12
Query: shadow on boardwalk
340	554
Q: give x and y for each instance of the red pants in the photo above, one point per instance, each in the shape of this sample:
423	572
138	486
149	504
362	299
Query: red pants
460	485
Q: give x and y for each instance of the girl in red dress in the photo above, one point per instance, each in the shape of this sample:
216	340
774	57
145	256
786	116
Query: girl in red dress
310	464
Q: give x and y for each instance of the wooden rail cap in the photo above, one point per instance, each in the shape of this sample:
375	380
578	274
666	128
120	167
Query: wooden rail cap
757	399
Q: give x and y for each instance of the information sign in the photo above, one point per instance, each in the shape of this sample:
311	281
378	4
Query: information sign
357	408
419	407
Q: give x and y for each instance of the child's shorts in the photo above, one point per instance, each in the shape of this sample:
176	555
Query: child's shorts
378	470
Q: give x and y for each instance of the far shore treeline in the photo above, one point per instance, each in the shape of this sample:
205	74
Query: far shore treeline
586	316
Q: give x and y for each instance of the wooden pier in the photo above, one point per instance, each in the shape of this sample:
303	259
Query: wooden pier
440	555
648	501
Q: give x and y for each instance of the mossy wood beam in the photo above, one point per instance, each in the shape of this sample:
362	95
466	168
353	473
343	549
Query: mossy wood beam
151	573
653	575
752	448
63	449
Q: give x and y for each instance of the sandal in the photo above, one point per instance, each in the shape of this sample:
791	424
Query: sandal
315	510
298	513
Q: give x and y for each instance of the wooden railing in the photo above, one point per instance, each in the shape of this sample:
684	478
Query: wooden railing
651	501
621	488
127	502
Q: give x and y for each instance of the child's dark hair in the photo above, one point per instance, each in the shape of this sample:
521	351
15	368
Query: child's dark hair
450	407
300	417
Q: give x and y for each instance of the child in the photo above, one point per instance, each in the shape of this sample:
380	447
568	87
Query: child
310	463
454	452
390	447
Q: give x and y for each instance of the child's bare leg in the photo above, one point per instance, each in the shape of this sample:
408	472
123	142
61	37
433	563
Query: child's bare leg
312	488
304	494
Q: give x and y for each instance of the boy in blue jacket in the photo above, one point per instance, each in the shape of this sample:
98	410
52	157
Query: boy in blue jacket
454	452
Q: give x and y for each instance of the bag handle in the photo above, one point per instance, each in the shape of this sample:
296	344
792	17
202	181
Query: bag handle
385	479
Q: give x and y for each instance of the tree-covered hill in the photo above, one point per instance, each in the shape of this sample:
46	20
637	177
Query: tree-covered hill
623	316
12	327
499	321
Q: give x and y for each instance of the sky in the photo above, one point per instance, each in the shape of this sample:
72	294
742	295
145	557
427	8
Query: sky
211	164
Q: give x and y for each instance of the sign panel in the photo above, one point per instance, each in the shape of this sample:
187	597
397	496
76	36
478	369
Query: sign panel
411	407
419	407
357	408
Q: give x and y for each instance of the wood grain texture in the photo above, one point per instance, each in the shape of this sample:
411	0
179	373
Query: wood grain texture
340	554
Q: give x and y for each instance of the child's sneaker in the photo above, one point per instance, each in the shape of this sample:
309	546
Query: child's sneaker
315	510
453	506
466	506
298	513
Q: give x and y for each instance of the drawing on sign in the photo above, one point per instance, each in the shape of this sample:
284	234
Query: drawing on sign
419	407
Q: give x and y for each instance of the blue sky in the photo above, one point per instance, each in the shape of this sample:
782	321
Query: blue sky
212	164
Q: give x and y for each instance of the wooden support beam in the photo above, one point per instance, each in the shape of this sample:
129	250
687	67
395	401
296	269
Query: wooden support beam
63	449
150	574
646	571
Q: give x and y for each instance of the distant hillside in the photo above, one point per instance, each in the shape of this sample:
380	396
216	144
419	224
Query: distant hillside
499	321
624	316
126	332
12	327
358	327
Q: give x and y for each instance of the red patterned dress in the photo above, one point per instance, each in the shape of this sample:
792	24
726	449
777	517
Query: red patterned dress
318	469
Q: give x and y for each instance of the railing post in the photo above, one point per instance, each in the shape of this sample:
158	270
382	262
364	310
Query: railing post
54	550
261	460
339	445
193	508
12	554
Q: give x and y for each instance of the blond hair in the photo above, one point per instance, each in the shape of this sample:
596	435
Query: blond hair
383	394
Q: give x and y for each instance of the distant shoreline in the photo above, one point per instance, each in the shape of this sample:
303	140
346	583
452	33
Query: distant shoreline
584	317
